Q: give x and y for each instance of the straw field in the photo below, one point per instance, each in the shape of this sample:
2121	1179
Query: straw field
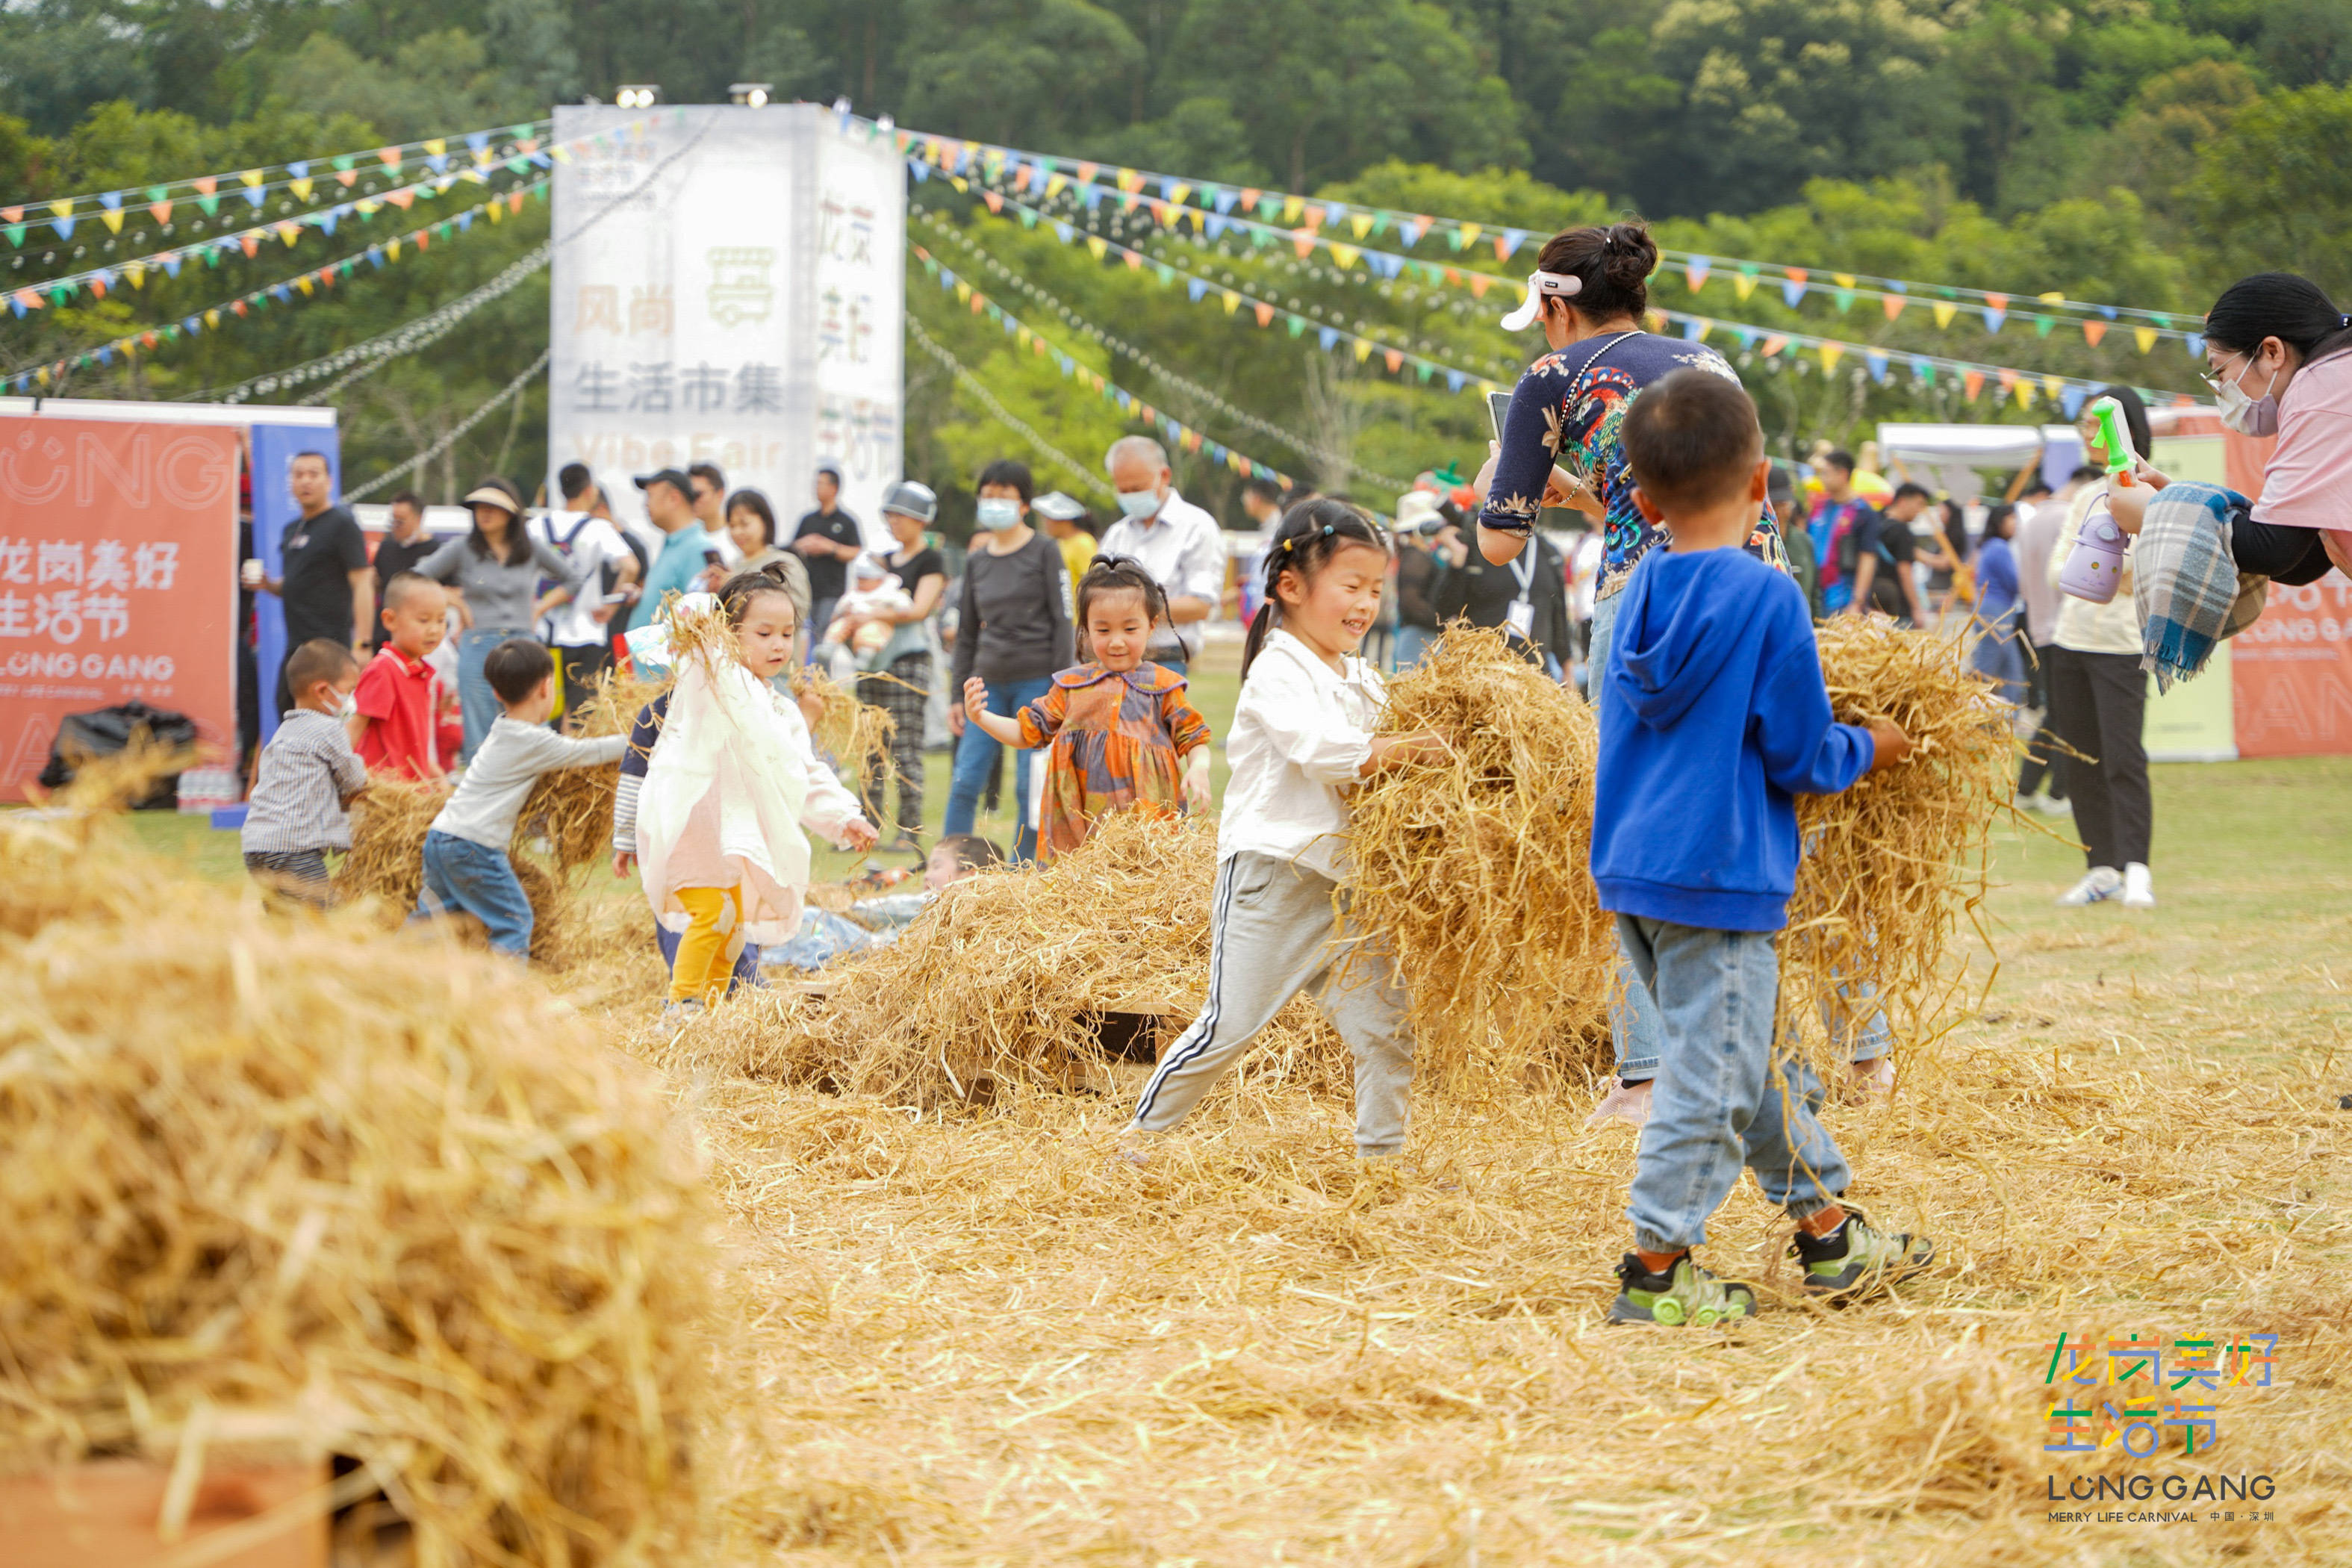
949	1330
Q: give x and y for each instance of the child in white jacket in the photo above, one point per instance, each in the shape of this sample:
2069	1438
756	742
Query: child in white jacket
731	782
1302	736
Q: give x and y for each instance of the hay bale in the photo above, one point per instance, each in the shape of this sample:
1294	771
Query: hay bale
394	1191
1001	984
1892	865
1479	870
571	809
855	735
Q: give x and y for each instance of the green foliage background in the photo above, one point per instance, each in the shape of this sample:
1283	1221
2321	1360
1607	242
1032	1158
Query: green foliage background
2137	152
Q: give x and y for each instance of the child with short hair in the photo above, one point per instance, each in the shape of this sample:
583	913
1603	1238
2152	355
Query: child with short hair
466	864
1713	715
306	780
1302	737
732	782
1122	731
396	723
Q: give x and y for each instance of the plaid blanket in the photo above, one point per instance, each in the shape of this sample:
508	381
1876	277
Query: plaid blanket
2189	590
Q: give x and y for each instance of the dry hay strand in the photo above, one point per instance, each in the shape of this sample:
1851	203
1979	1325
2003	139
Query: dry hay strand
1001	986
571	808
855	735
1892	865
387	859
261	1179
1477	871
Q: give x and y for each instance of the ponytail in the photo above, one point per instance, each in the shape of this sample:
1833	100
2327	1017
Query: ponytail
1311	533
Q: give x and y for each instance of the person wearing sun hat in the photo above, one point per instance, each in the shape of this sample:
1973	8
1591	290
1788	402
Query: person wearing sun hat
1063	518
493	575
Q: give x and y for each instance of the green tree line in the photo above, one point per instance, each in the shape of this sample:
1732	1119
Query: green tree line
2141	152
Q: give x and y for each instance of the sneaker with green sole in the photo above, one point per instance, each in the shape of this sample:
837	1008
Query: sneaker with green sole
1859	1260
1685	1295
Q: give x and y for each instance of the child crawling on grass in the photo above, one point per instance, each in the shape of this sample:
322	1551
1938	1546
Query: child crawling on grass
732	780
1302	737
1123	734
1713	715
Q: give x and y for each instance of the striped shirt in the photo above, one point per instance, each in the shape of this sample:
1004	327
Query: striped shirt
306	770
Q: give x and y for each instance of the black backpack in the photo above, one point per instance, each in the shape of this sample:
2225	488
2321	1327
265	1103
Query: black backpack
105	731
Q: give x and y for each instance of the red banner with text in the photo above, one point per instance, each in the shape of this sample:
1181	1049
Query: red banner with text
118	579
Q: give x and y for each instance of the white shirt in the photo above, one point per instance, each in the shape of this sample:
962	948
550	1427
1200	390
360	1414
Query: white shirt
1299	736
1184	551
593	545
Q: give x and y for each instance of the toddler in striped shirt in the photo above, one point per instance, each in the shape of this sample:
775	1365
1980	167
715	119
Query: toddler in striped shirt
308	777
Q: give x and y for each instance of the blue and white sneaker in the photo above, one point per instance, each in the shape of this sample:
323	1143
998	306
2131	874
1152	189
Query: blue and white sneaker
2097	885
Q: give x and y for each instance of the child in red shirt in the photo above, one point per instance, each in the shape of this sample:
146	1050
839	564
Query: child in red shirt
399	696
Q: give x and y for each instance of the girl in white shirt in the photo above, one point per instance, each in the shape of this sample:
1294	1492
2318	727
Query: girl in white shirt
1301	737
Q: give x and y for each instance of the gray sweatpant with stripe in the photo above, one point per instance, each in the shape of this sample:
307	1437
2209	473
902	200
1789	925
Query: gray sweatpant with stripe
1271	936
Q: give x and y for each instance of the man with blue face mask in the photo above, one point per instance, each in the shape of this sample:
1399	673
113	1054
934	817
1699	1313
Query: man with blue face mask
1173	539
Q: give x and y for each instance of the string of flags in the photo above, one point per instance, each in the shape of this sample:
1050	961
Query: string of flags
304	285
302	178
1209	395
1197	201
1177	433
135	271
1085	477
1265	312
1875	360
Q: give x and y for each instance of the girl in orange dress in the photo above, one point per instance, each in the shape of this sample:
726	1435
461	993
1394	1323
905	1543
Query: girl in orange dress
1121	731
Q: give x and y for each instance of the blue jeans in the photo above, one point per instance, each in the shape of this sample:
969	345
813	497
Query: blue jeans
2000	654
976	751
479	703
747	963
1725	1098
461	874
1411	642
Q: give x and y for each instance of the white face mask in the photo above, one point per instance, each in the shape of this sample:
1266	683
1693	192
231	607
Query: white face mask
995	513
1138	504
2246	415
350	706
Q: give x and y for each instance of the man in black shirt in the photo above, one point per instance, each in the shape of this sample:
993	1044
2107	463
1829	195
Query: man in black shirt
327	587
828	540
1884	549
1525	598
403	547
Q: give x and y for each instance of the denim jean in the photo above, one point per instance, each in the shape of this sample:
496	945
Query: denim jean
1726	1098
747	963
461	874
1999	653
1411	642
479	703
976	753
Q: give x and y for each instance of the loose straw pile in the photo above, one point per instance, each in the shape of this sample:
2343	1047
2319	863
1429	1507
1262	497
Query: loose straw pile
855	735
1003	981
385	1200
571	808
1892	865
1477	871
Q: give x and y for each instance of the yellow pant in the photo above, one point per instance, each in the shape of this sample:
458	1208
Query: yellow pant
712	943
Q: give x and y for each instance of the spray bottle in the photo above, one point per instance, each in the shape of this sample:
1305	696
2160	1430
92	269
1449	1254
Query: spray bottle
2095	568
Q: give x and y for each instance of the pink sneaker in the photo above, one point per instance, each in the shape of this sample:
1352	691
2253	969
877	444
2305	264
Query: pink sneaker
1621	1104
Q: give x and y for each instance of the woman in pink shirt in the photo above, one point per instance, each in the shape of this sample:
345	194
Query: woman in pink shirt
2277	347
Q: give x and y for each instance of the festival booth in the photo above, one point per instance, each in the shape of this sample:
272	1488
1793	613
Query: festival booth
119	557
2282	688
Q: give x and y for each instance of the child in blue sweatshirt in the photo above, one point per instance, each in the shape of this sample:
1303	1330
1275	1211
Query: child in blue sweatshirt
1713	715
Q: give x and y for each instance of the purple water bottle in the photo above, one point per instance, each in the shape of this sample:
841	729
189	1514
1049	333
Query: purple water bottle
2095	569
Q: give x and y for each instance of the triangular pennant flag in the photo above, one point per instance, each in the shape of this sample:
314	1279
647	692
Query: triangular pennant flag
1944	310
1395	360
1361	224
1876	363
1264	313
1344	254
160	211
1096	245
2042	325
995	202
2145	337
2051	386
1830	355
1327	336
2008	378
2070	400
1479	283
1793	288
1892	305
1972	383
2195	344
301	189
1233	302
1297	322
1364	350
2053	298
2092	332
1695	272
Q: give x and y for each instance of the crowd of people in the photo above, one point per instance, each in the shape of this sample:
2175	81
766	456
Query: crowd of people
1685	610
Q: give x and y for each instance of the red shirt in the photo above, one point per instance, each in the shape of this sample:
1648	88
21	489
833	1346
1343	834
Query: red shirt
398	697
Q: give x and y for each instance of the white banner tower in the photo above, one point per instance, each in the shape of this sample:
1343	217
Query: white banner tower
738	299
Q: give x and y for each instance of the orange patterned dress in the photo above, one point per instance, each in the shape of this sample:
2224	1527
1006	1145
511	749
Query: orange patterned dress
1118	741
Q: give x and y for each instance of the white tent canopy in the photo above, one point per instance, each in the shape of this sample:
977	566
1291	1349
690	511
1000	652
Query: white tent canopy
1968	446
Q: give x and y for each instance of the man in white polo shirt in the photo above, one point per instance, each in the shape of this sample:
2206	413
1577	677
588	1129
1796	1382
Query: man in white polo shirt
1175	541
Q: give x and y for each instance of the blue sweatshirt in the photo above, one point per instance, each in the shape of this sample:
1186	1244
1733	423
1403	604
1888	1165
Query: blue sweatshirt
1713	714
